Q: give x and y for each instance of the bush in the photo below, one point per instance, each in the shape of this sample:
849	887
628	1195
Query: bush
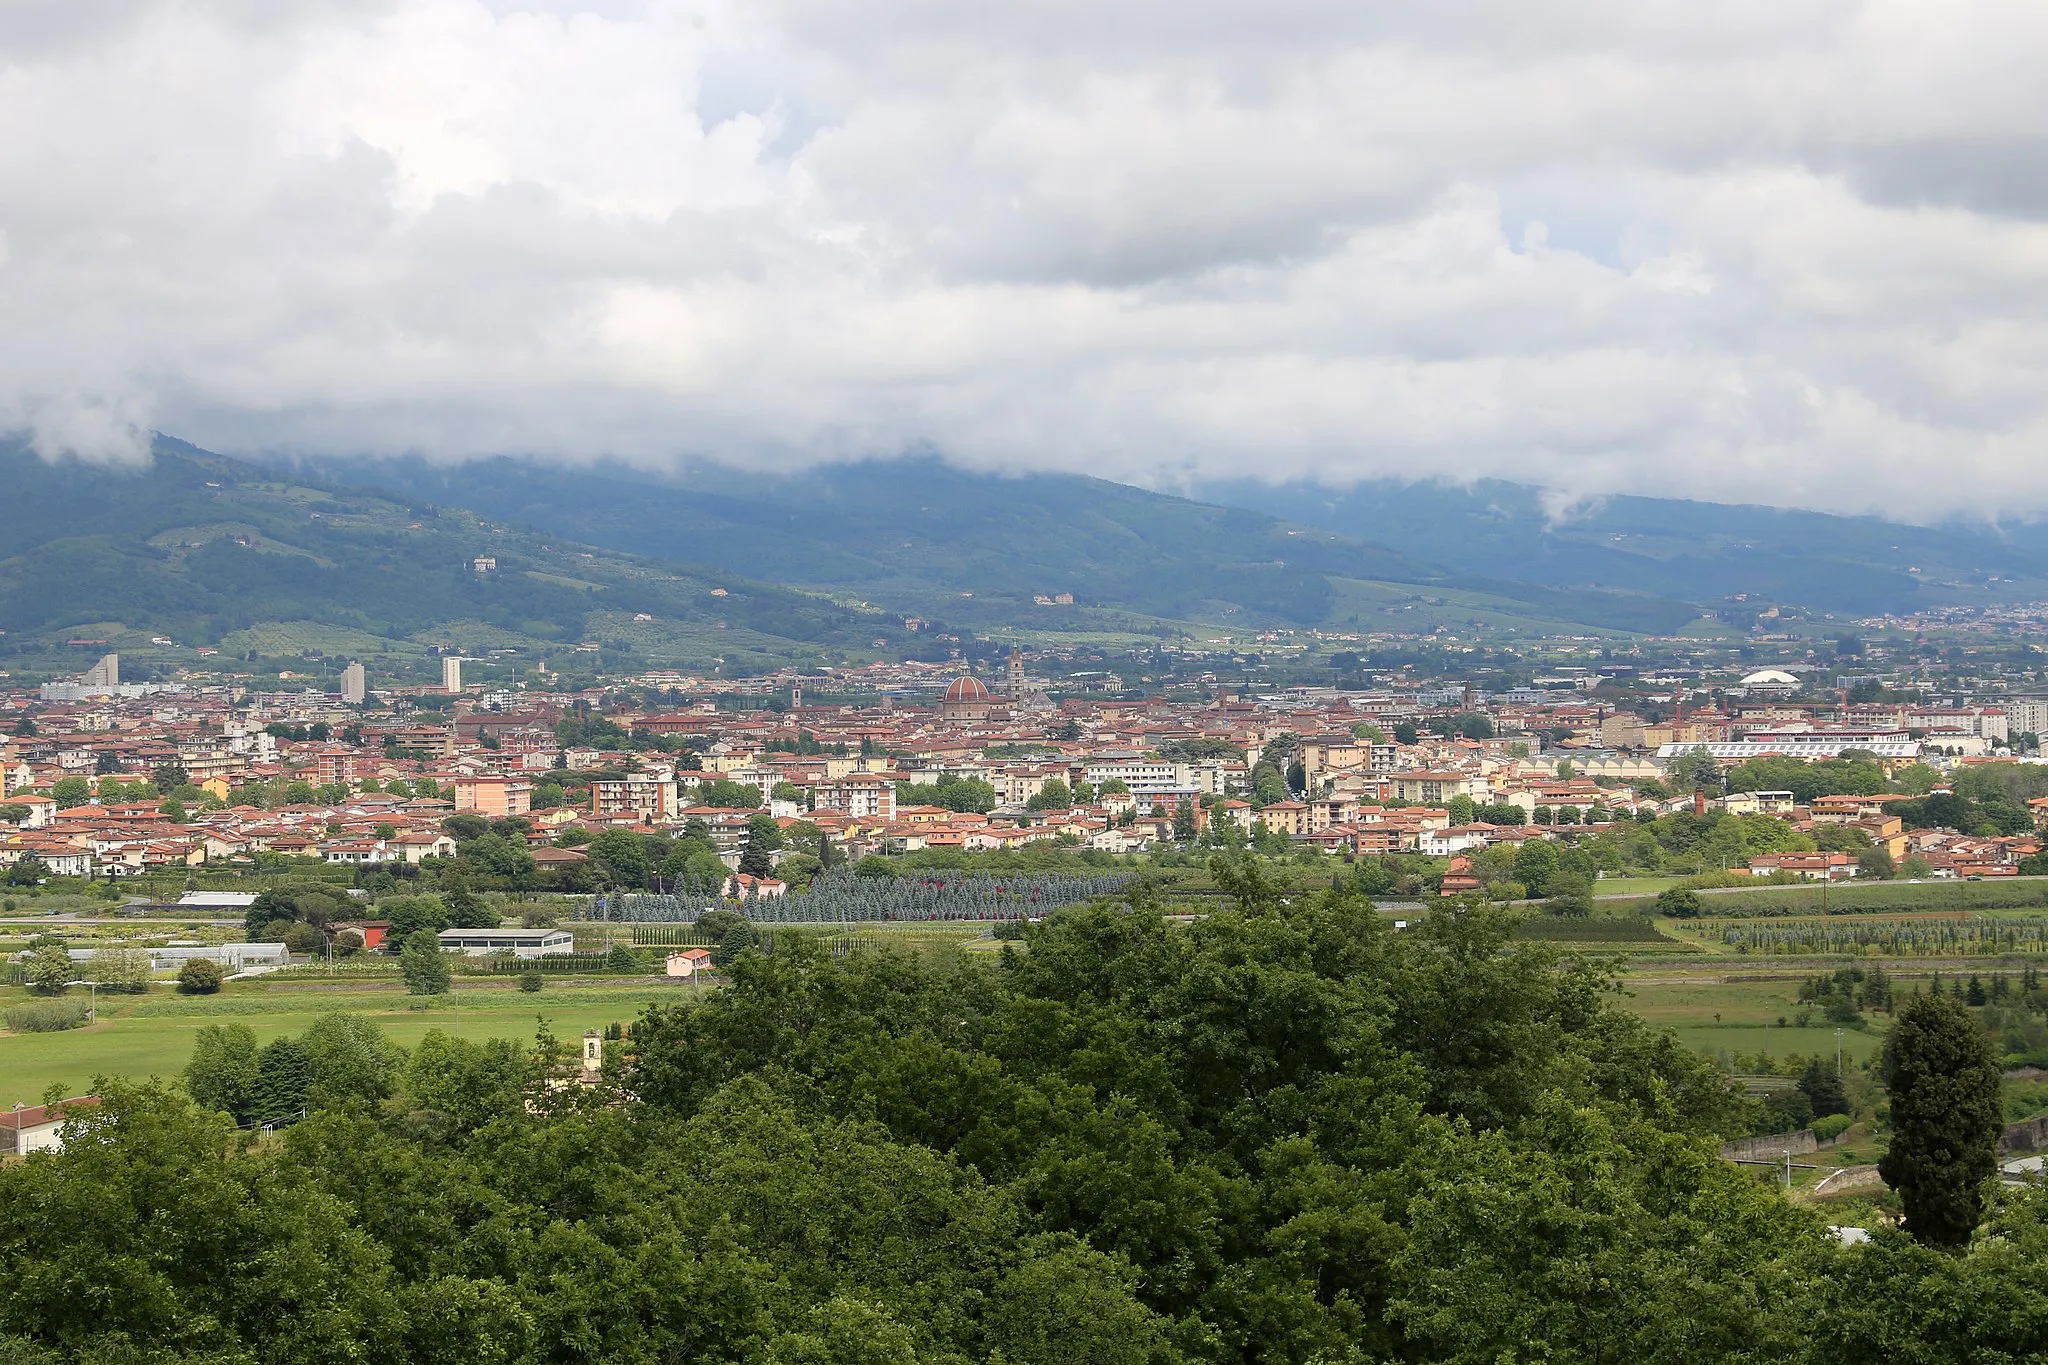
1831	1126
304	938
621	959
1679	902
530	981
46	1016
199	976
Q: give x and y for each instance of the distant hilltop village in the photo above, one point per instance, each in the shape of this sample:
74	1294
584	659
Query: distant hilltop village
105	779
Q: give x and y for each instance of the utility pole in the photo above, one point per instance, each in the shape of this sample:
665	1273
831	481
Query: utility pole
92	1009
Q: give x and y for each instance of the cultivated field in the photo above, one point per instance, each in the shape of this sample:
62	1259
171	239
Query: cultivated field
1741	1016
152	1034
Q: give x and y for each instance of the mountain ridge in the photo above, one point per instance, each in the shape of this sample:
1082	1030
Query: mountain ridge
923	534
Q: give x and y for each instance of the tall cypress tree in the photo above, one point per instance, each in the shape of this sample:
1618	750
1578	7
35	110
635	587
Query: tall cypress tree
764	836
1946	1118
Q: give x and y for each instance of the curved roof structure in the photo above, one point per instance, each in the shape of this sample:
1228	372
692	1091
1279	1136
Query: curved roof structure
966	690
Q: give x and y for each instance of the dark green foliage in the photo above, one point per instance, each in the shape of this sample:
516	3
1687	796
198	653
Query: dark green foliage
410	915
465	1083
727	794
1680	903
349	1060
302	902
1952	810
423	964
1822	1086
1823	777
1281	1134
284	1081
736	939
466	909
1945	1115
222	1073
621	958
1569	895
619	857
1535	864
954	793
764	837
1054	795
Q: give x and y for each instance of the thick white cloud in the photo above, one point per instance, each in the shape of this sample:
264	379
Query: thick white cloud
1791	252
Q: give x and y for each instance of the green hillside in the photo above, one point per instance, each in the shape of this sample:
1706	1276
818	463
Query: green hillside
210	552
270	571
978	550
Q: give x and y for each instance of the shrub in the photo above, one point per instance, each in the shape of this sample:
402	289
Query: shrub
530	981
46	1016
304	938
1679	902
199	976
1831	1126
1840	1009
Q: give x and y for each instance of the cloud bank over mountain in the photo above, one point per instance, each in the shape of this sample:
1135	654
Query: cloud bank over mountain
1793	252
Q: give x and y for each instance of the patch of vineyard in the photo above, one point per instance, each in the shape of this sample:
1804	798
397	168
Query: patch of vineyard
1634	929
1962	936
840	897
1862	898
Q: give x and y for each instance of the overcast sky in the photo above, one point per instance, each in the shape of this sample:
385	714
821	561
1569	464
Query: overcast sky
1788	251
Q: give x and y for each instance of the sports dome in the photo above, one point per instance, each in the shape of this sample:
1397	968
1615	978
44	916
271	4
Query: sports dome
966	690
1770	677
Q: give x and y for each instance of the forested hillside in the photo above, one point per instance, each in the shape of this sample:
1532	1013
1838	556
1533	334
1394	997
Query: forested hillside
1700	551
211	551
1285	1133
919	533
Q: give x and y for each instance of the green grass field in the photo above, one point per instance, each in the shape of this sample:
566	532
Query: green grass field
1633	886
152	1035
1740	1016
1819	1040
2002	893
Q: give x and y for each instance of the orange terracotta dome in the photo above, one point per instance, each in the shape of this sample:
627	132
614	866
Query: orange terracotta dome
966	690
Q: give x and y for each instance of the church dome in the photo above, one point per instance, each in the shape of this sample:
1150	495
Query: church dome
966	690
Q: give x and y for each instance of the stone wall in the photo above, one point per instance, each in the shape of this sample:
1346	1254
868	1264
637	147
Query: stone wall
2028	1135
1771	1145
